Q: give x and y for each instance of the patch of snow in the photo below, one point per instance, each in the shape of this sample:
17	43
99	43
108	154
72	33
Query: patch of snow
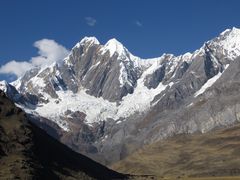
141	98
104	138
92	40
95	108
87	40
214	59
61	123
3	86
229	41
224	32
199	52
17	83
123	76
67	62
172	65
153	65
187	57
208	84
113	46
190	105
57	73
94	66
38	82
171	84
226	66
146	63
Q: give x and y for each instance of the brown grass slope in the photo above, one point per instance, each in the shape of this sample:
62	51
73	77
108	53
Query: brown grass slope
27	152
199	155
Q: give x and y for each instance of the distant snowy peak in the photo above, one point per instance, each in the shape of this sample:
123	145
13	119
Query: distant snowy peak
228	42
232	32
87	40
113	46
92	40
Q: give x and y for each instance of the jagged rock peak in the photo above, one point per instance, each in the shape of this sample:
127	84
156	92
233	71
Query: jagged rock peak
87	40
233	31
228	42
90	39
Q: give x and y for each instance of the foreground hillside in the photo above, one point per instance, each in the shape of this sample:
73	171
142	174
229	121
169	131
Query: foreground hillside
198	155
27	152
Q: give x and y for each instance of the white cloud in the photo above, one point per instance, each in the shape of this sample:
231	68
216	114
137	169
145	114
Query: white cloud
16	68
138	23
49	51
90	21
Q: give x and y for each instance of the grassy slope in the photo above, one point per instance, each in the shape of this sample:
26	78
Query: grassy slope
199	155
27	152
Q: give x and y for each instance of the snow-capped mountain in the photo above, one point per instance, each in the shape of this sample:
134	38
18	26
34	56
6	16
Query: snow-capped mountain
104	100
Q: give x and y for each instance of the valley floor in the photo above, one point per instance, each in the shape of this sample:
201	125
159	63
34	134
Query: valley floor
185	178
214	155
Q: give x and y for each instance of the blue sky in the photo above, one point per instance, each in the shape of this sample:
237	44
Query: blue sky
147	28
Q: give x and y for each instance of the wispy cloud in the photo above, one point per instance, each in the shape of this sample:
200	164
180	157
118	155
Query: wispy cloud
90	21
138	23
15	67
49	51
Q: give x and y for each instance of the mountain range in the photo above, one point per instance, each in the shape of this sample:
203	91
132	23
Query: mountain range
106	103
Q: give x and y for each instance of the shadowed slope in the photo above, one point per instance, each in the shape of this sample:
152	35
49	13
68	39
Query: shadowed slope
27	152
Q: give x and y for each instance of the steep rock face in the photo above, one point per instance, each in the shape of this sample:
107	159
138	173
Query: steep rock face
197	72
212	106
100	72
106	101
91	66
